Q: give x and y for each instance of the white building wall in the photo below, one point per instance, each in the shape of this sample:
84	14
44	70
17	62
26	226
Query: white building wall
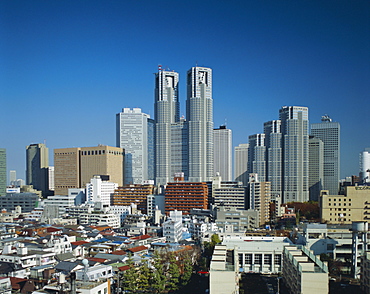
100	191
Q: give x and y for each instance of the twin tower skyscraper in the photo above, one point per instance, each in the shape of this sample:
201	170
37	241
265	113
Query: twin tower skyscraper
159	149
184	145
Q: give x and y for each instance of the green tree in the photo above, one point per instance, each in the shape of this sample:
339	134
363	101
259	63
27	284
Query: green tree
173	273
186	271
157	276
130	277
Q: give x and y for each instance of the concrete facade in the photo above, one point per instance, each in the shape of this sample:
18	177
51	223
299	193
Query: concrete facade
74	167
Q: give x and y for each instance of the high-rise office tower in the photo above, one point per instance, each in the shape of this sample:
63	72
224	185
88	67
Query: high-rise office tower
257	156
241	163
37	164
166	115
74	167
365	166
199	112
315	167
294	128
2	171
273	142
179	149
132	134
222	154
12	177
329	132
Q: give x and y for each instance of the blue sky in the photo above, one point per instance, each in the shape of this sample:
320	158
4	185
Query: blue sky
67	67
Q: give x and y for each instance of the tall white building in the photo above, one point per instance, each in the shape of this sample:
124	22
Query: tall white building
294	128
222	154
199	112
166	114
133	129
241	163
365	165
273	142
100	191
329	133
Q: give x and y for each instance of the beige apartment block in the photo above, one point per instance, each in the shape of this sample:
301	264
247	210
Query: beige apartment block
74	167
354	205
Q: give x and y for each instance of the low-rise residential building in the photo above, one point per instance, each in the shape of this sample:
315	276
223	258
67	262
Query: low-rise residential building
303	272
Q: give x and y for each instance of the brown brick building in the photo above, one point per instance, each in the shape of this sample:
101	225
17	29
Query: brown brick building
74	167
183	196
134	193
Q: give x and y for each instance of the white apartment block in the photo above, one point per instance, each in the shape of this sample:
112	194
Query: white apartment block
172	230
100	191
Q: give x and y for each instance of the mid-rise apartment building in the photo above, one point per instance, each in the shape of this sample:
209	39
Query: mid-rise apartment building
183	196
133	194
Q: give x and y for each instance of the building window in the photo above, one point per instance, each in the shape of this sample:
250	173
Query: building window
258	259
267	259
248	259
277	259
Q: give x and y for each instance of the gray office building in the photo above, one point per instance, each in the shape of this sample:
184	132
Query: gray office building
329	133
294	128
199	114
316	167
273	142
168	129
37	167
2	171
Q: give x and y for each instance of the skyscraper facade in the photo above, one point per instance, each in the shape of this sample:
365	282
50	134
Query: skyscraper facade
74	167
37	164
294	128
329	133
12	177
166	115
2	171
365	166
316	167
132	134
273	142
179	149
241	163
199	113
222	152
257	156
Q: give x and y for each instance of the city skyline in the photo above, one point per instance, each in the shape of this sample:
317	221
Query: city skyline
68	68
